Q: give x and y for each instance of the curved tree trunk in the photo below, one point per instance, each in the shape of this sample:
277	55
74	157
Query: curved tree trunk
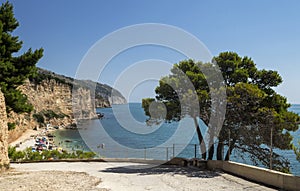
220	150
200	138
227	157
211	151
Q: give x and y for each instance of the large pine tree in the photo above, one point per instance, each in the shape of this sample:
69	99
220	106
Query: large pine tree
257	118
14	70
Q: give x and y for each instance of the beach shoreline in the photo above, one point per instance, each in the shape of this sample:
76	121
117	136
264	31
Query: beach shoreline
28	138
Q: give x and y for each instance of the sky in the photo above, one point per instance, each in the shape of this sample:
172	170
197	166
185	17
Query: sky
267	31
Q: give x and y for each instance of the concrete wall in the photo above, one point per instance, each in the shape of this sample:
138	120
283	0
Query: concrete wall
265	176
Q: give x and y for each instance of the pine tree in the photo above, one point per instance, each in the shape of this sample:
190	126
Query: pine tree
256	117
14	70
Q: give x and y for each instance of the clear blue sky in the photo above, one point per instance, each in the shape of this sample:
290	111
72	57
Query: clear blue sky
265	30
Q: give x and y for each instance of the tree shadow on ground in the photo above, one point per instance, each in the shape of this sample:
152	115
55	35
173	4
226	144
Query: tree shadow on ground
162	169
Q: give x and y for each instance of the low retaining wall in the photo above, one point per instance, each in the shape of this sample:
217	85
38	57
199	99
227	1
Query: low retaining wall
265	176
133	160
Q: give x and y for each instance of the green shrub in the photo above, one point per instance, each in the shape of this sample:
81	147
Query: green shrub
28	155
49	114
11	126
15	155
39	118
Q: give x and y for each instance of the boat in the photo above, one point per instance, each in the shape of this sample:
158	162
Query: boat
100	115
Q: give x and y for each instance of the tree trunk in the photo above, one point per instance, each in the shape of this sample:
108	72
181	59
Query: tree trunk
211	149
211	152
220	150
230	150
200	138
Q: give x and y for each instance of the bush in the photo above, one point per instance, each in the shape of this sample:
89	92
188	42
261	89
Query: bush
28	155
39	118
51	114
15	155
11	126
47	114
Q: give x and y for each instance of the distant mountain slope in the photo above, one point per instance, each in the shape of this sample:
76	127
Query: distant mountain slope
104	95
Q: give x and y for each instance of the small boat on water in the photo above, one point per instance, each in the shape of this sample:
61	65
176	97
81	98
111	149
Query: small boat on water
100	115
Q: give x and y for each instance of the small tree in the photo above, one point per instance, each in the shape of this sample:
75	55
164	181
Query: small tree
14	70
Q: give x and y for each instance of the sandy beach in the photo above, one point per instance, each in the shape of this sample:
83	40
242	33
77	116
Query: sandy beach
114	176
28	138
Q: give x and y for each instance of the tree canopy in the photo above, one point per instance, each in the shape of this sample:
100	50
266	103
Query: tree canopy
14	70
256	116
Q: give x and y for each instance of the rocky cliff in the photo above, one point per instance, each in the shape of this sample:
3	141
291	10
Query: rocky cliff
59	101
4	161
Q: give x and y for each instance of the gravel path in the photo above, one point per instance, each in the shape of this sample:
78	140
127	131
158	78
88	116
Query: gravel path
118	177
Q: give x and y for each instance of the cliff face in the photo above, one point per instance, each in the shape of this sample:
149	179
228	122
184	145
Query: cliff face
59	100
4	161
49	94
50	99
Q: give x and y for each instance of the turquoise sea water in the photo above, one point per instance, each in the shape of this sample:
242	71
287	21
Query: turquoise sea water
123	133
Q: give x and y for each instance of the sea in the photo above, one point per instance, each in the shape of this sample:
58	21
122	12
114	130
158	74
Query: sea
124	132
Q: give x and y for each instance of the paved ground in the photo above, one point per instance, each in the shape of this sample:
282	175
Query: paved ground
123	177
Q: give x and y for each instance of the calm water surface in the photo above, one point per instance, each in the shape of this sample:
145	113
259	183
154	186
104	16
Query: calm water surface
108	138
